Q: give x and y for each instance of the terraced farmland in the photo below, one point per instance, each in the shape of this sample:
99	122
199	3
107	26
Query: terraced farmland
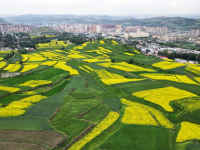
78	98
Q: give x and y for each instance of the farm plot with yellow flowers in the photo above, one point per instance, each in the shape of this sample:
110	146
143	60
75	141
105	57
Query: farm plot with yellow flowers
112	78
103	125
170	77
18	108
34	83
62	65
28	67
34	57
15	68
197	79
113	104
136	113
126	67
163	96
2	64
166	65
193	69
188	131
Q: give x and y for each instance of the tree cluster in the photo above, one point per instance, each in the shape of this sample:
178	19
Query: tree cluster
79	39
8	56
185	56
28	42
22	51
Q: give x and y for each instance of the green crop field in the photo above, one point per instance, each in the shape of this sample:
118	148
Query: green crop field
93	97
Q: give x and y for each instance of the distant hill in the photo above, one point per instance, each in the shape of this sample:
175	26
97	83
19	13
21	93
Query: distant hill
173	23
3	21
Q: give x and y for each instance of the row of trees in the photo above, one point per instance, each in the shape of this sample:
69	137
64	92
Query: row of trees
179	44
185	56
79	39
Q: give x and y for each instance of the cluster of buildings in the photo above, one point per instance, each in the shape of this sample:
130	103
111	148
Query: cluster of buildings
7	27
110	30
189	36
153	49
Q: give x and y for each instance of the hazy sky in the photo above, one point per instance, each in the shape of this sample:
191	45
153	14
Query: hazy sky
100	7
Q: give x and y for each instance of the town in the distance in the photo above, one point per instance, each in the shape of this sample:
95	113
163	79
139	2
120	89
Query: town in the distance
164	41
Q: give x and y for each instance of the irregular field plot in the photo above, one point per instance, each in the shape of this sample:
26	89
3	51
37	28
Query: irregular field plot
163	96
20	146
24	123
188	131
139	137
48	138
139	86
96	114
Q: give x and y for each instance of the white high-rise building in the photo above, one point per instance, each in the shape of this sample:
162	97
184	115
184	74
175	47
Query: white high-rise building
98	29
194	32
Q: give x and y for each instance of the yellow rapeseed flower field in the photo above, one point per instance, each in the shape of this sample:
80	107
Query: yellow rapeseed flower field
160	118
129	54
103	125
34	57
16	108
163	96
112	78
114	42
28	67
53	55
76	56
193	69
82	68
29	93
11	112
158	76
34	98
165	65
197	79
117	81
126	67
34	83
138	115
188	131
89	68
10	66
9	89
25	58
19	105
170	77
15	68
62	65
96	60
49	63
102	42
188	105
185	79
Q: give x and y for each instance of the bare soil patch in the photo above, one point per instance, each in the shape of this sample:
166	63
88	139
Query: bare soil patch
49	138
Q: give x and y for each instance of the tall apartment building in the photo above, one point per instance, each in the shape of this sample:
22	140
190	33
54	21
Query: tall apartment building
139	33
50	25
94	28
156	30
98	28
67	28
108	26
6	27
16	28
194	32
